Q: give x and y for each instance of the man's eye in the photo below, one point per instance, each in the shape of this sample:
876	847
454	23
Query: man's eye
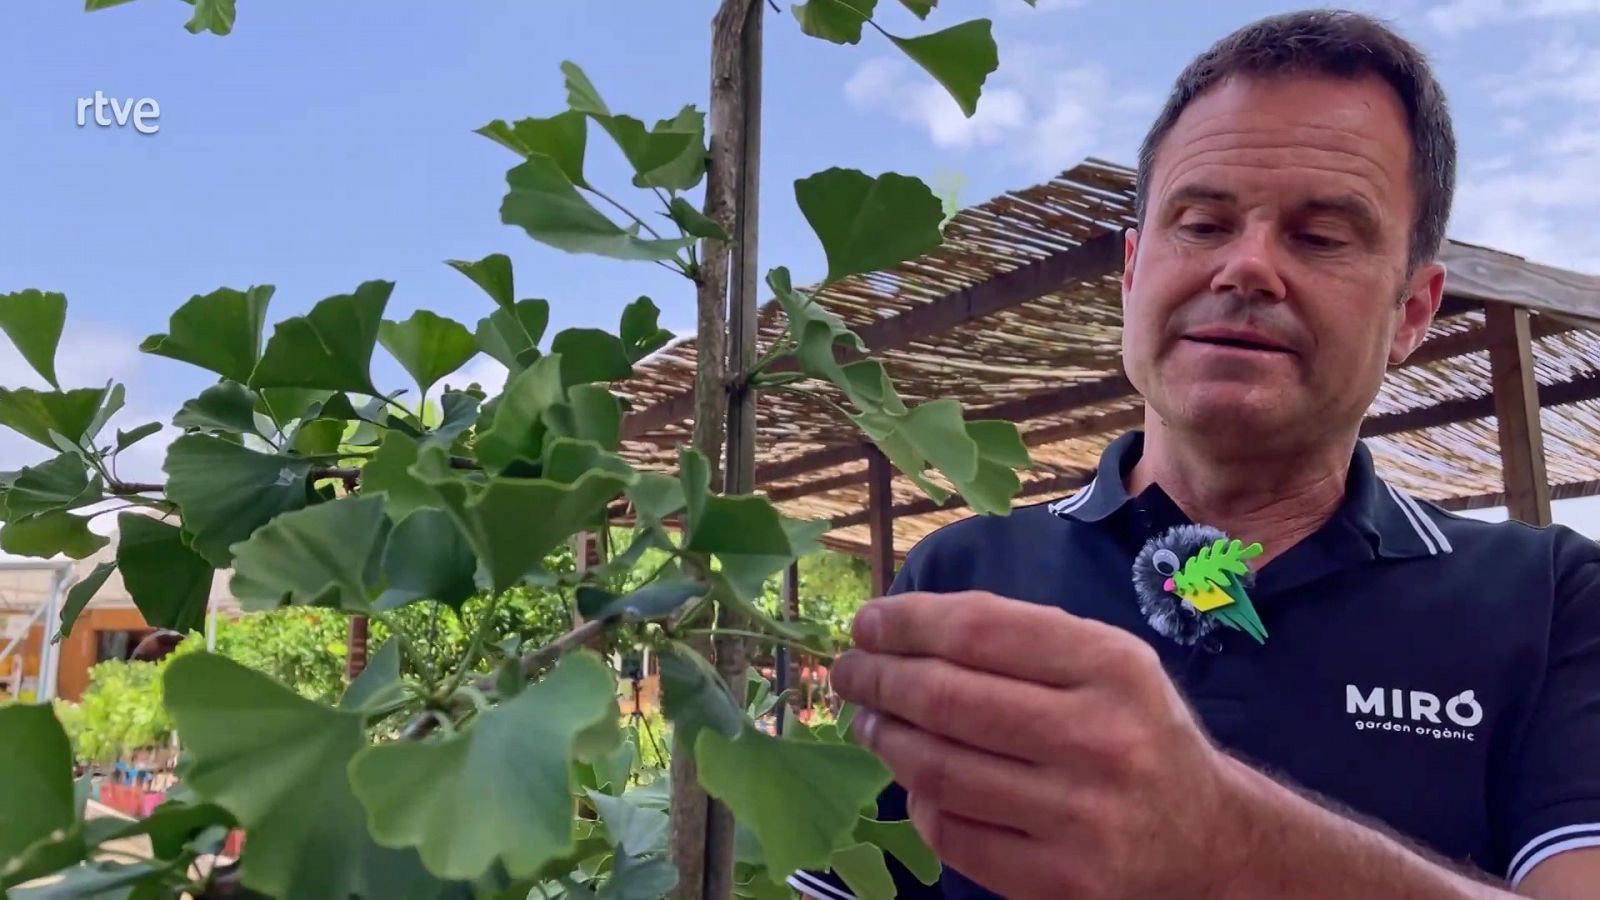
1202	229
1321	241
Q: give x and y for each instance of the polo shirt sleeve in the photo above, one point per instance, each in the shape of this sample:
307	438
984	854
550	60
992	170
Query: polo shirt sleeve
891	804
1554	800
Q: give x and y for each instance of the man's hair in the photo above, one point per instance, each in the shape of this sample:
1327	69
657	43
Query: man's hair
1336	44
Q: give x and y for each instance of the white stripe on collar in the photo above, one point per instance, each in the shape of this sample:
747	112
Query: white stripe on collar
1069	504
1424	526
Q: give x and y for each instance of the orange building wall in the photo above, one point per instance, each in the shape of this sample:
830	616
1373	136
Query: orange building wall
78	650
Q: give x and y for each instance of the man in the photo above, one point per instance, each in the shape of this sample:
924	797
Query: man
1417	714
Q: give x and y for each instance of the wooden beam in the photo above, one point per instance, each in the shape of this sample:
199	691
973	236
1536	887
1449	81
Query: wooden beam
1452	411
1571	490
1480	274
1095	258
1062	482
1516	406
880	519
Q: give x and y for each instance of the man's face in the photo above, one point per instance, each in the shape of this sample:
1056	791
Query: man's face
1267	291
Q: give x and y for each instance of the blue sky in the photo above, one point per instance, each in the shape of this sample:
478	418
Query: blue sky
324	144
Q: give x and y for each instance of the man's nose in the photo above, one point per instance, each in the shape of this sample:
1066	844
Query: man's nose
1248	266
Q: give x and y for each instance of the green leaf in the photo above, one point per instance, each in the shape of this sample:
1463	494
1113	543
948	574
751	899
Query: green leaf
999	440
34	414
590	355
79	596
429	346
671	155
901	839
329	348
92	5
640	878
428	558
960	58
816	329
694	697
747	574
60	483
581	93
47	534
36	780
99	879
215	16
33	320
694	474
458	411
868	386
921	8
543	202
388	472
866	224
513	335
743	525
759	776
115	394
493	273
694	222
597	414
379	682
226	491
656	600
641	336
569	459
172	825
219	332
513	522
519	429
839	21
655	497
277	762
317	437
126	439
495	792
864	869
561	137
323	555
169	582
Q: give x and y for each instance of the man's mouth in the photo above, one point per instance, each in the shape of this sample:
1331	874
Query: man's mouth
1237	339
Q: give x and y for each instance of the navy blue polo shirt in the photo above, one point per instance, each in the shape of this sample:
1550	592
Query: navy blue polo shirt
1436	674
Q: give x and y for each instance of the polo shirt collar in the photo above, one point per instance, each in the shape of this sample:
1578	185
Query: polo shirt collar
1392	521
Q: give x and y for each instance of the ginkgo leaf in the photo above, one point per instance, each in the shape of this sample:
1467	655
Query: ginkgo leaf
33	320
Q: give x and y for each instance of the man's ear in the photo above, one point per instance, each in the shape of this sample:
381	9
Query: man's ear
1418	306
1130	249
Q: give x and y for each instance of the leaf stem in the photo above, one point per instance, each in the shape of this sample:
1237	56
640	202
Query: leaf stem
473	648
625	211
424	667
762	636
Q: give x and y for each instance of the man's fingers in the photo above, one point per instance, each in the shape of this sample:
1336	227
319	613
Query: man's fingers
979	786
1006	637
1019	719
1005	861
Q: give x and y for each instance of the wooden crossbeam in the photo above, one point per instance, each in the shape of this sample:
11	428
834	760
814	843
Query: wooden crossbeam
1571	490
1478	274
1095	258
1452	411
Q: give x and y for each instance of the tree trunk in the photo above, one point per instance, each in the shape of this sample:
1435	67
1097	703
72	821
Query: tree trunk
702	830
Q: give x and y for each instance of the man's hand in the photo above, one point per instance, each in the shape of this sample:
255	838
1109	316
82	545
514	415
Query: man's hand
1044	755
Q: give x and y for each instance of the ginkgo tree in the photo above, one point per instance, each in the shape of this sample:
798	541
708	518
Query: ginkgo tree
505	773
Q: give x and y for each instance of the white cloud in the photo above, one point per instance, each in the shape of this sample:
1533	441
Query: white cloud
488	372
1542	202
1456	16
89	356
1033	111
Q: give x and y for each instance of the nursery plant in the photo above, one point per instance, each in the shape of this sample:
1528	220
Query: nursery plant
502	772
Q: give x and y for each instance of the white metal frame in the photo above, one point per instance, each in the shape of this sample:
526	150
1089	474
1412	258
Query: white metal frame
50	610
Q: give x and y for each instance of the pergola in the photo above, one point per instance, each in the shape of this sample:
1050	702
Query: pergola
1018	315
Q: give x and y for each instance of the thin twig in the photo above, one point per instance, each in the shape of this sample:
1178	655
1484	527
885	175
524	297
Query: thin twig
763	636
529	665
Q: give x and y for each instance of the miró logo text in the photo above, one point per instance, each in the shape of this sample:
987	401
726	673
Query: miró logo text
1414	712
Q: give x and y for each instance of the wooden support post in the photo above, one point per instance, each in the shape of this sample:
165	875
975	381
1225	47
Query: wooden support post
1516	407
787	668
880	519
355	654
